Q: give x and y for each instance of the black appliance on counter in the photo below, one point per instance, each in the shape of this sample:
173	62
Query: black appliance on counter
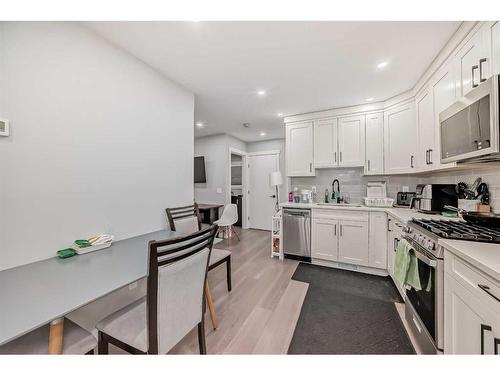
404	198
238	201
431	198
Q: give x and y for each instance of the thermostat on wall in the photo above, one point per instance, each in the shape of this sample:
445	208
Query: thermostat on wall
4	127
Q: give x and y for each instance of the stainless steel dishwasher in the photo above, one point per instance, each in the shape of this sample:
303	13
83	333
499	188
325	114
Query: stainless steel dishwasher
297	233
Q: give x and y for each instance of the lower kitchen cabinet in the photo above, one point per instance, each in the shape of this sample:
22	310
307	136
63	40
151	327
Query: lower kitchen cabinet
353	242
471	315
324	242
377	240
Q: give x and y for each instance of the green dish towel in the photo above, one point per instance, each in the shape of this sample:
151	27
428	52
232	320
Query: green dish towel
406	266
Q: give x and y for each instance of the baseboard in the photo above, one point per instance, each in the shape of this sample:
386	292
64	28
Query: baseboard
350	267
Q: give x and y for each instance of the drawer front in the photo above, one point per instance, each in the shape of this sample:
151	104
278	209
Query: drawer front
340	215
484	287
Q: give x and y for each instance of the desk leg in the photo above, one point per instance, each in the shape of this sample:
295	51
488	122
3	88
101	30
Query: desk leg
211	307
56	336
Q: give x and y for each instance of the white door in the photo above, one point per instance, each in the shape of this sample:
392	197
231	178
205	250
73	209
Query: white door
469	325
299	149
374	144
426	130
443	92
467	60
351	141
400	138
324	244
261	195
325	144
353	242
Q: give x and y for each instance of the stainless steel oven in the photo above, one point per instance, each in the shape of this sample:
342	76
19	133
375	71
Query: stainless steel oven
470	127
425	307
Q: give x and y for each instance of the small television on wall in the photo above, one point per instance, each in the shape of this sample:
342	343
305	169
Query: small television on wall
199	170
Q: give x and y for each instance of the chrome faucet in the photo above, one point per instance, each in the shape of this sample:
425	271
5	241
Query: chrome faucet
337	198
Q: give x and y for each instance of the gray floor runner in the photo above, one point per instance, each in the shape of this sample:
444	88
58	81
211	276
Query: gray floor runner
347	312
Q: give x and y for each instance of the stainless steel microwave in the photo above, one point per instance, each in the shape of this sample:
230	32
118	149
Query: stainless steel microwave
470	127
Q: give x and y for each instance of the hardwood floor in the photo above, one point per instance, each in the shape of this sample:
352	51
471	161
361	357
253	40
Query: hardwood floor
260	313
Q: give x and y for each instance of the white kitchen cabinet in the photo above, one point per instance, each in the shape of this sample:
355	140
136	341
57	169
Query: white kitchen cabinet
493	43
300	149
471	63
470	327
394	235
400	139
351	140
443	95
426	128
353	242
377	240
374	144
471	309
324	239
325	144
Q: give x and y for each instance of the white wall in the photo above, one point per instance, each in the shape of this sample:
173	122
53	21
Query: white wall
100	142
215	149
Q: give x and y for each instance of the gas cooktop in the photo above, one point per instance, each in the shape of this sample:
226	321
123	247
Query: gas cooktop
459	230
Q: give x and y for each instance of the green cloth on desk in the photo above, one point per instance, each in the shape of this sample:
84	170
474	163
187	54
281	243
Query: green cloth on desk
406	266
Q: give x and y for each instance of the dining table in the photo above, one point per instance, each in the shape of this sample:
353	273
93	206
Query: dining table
43	292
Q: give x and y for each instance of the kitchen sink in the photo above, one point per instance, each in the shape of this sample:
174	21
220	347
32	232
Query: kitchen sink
340	204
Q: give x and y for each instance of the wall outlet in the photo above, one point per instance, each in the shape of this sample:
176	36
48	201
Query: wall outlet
406	189
219	190
4	128
132	286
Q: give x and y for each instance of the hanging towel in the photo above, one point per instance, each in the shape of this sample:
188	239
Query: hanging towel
406	266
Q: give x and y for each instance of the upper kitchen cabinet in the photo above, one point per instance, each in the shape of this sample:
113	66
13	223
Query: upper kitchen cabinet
426	128
443	95
374	141
400	139
491	35
472	61
325	143
351	134
300	149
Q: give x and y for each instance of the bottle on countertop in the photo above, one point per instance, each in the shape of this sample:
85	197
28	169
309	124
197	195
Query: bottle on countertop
314	195
327	194
290	196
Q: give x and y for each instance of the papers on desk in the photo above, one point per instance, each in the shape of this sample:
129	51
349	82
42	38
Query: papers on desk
92	244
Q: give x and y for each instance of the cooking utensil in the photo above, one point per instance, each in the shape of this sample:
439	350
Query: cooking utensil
480	190
486	219
461	187
476	183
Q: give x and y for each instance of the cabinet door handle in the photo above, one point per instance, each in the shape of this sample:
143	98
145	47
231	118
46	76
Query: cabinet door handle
486	289
427	157
335	156
368	164
496	342
335	230
430	156
481	79
341	230
474	67
310	167
341	156
411	161
484	327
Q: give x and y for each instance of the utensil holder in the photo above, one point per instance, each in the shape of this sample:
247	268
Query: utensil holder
469	205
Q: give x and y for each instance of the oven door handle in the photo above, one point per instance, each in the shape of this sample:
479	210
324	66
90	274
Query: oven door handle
420	256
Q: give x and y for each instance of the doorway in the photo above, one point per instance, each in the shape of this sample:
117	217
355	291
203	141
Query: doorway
237	189
261	195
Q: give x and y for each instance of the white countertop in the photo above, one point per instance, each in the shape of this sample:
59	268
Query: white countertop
400	213
484	256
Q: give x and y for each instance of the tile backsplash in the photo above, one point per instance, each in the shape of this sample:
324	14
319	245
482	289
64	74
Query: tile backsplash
353	182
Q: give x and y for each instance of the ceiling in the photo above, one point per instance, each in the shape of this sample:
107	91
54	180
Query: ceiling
302	66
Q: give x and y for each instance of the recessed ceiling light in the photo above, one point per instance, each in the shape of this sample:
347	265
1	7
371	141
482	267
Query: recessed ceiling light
261	93
369	99
382	64
262	134
200	124
280	114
